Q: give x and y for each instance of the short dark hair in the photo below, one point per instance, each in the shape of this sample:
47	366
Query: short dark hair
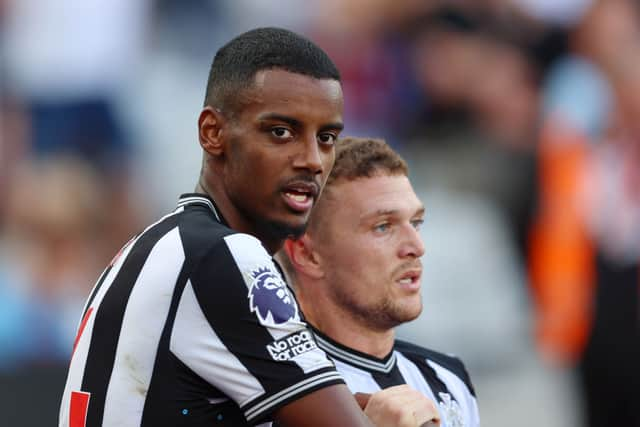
237	62
365	158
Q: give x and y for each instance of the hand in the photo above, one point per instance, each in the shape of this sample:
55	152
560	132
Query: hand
399	406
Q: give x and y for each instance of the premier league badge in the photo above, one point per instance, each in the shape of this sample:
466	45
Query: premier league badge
270	299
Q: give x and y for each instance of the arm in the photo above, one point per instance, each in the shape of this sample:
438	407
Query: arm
399	406
330	406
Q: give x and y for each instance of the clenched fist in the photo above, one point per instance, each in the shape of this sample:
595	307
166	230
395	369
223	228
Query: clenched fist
399	406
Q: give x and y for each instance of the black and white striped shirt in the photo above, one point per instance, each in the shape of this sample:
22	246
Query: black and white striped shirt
190	325
441	378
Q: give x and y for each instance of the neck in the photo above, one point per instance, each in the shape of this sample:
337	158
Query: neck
343	327
235	219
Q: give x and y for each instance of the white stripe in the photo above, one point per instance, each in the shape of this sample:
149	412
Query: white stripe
289	392
355	359
196	344
144	318
196	199
79	358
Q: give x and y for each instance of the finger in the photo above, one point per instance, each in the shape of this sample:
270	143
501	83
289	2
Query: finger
427	414
424	410
362	399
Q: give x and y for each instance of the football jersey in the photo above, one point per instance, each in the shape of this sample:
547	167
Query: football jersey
440	377
190	325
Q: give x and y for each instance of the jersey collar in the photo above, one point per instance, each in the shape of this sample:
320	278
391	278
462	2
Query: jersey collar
354	357
201	199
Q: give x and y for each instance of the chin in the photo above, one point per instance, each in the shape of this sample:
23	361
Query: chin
284	230
413	315
412	312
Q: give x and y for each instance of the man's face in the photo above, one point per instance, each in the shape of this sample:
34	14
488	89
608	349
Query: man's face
368	241
280	149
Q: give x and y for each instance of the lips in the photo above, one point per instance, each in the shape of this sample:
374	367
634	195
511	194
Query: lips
300	195
410	279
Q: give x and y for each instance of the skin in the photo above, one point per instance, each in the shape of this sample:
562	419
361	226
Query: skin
358	271
280	143
350	266
400	406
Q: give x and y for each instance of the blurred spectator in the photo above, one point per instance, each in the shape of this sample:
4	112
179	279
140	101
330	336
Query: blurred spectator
473	71
50	255
69	63
374	64
474	156
13	135
585	255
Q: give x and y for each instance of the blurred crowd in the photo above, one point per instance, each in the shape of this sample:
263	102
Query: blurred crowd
520	120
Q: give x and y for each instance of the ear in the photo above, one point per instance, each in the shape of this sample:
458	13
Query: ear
210	126
303	257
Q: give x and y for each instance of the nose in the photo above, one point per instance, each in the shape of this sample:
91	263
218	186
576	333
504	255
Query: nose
412	245
309	156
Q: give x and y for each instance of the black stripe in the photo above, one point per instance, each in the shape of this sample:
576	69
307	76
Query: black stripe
163	393
108	321
418	355
217	213
429	374
393	378
436	385
178	399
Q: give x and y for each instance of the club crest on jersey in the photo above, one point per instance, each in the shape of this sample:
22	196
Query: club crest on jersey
270	299
450	410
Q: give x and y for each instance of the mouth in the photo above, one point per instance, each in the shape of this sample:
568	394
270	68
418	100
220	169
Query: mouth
299	196
410	280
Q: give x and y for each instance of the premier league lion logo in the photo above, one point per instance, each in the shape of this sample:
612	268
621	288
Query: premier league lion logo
270	299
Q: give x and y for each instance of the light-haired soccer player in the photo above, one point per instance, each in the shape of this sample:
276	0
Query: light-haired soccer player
356	273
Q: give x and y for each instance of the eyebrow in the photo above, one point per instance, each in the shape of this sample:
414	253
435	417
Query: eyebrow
295	123
389	212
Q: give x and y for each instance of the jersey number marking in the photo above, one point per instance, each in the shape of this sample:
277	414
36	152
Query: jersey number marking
78	410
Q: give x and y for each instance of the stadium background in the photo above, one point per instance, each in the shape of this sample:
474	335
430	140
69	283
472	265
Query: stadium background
505	109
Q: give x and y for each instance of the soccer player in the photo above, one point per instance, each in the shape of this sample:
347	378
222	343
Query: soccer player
191	324
356	273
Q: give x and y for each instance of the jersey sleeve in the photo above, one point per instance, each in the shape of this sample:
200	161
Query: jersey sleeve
239	328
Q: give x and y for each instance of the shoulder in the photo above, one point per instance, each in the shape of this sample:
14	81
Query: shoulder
199	229
202	234
422	355
209	244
